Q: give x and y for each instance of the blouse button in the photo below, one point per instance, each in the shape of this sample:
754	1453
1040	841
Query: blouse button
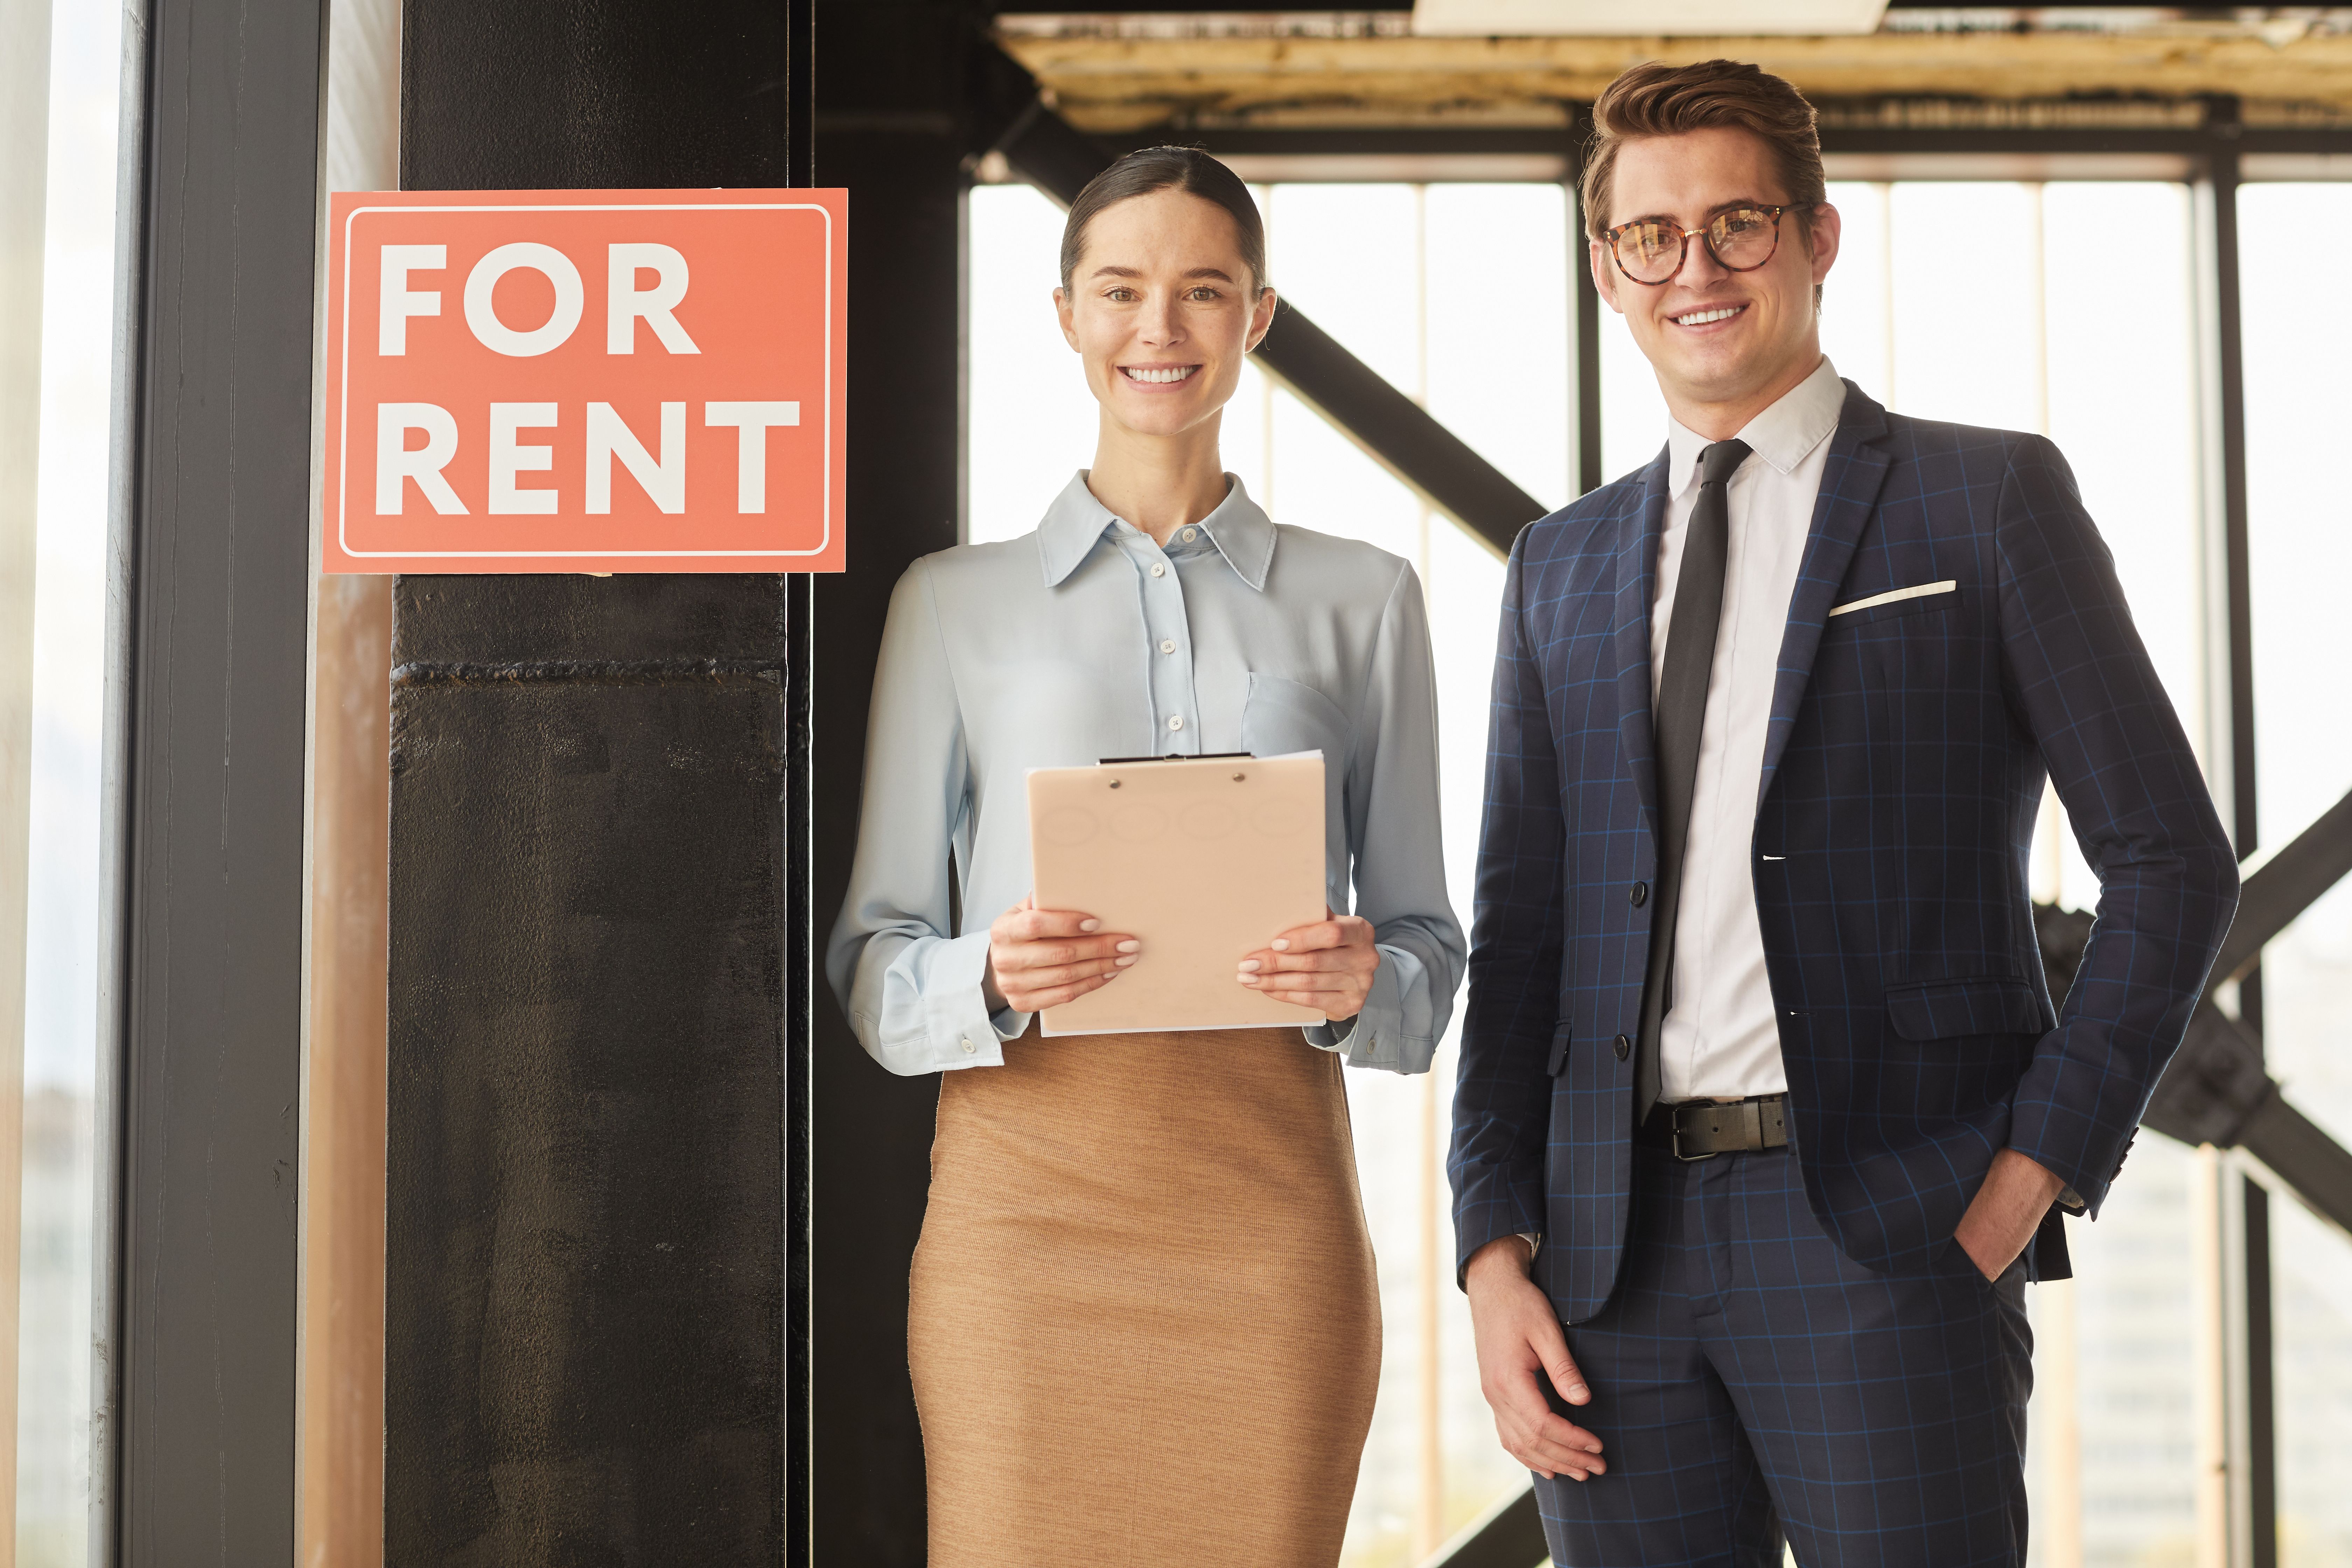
1158	570
1166	644
970	1050
1175	720
1190	534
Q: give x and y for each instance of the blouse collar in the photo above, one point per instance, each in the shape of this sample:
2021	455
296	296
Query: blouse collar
1076	521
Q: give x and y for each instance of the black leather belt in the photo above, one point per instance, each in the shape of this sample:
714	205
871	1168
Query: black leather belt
1702	1129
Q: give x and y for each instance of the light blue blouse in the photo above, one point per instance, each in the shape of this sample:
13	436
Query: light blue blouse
1086	640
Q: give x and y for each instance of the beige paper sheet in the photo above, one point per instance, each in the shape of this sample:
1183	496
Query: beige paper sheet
1203	860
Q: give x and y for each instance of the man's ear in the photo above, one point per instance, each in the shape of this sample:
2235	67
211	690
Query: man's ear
1828	228
1604	274
1062	303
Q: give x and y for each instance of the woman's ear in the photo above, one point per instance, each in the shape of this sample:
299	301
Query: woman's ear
1062	305
1261	319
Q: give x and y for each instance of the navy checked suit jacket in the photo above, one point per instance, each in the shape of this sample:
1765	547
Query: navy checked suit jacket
1902	768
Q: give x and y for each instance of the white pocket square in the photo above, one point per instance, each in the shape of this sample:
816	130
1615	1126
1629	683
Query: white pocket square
1951	584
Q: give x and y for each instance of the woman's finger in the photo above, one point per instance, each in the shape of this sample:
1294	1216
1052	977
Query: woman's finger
1027	955
1054	996
1039	979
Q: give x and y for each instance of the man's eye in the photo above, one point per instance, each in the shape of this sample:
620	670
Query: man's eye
1207	296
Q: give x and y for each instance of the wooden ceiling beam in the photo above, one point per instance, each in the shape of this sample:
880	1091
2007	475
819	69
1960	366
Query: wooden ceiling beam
1109	85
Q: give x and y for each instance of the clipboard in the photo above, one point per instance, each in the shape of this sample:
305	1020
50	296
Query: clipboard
1203	859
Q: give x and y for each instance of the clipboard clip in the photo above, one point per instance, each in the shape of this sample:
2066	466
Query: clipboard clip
1173	757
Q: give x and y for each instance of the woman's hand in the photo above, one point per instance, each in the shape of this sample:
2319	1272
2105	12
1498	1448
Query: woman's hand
1042	958
1328	967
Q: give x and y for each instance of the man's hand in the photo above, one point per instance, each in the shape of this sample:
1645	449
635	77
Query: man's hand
1520	1341
2009	1207
1042	958
1329	965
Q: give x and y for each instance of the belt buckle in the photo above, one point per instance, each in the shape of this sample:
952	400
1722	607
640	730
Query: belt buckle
1674	1118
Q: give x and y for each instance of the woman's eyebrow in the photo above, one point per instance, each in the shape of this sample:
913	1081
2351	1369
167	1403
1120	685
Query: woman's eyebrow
1218	273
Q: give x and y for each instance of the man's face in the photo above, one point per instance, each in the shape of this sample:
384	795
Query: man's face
1718	337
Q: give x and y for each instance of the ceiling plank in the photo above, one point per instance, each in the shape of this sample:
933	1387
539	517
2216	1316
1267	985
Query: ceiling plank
1109	84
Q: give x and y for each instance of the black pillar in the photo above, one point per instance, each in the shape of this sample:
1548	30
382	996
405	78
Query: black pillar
193	1453
597	922
895	127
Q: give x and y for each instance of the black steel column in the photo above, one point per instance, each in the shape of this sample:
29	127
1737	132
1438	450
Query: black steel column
2224	129
598	953
193	1452
1590	473
895	126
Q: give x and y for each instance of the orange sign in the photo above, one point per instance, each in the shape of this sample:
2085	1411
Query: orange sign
585	381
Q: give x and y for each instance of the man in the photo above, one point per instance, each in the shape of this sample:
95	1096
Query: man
1764	1108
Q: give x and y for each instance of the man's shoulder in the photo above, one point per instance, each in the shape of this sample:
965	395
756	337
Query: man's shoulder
1973	447
1588	526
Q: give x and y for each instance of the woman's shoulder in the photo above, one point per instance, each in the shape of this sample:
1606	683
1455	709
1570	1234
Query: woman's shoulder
1332	564
991	567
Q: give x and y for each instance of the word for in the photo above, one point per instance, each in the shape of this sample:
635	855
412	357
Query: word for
624	303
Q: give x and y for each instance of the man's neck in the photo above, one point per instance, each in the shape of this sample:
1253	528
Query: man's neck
1721	420
1159	483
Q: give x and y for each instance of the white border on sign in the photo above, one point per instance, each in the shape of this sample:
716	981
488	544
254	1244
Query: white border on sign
343	391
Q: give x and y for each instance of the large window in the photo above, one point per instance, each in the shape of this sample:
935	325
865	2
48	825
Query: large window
1457	294
54	1345
2301	541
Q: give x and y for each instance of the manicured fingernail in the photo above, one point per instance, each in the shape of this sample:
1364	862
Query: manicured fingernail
1123	963
1131	945
1247	979
1089	925
1282	944
1251	966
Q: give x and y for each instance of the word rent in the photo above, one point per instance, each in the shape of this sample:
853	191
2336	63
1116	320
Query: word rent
644	286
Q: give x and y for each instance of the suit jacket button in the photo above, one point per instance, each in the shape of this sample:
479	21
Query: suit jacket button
1624	1047
1641	894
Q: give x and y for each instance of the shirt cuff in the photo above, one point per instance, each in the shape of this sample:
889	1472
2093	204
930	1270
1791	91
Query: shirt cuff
961	1030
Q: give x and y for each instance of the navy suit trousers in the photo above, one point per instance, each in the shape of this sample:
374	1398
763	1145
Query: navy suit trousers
1748	1379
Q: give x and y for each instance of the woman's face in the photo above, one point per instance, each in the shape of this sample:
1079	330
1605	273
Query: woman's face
1162	308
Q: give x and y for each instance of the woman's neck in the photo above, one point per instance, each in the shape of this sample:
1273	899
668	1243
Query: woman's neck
1159	483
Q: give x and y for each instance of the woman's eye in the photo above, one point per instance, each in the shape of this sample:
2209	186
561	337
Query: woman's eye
1205	295
1121	296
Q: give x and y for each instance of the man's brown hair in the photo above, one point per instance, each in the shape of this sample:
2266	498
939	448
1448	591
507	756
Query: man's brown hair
1655	99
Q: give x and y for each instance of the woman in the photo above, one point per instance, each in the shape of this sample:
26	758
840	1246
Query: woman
1144	1325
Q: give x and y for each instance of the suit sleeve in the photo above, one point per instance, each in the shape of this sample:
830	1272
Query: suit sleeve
1503	1099
2083	684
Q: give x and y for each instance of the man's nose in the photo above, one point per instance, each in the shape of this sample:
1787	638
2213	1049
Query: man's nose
1699	266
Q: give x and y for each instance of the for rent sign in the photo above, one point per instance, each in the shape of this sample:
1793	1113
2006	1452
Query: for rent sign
585	381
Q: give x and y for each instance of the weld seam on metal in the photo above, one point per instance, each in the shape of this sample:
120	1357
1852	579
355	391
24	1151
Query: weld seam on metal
595	672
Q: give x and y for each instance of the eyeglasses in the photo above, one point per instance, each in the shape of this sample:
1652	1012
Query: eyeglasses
1651	250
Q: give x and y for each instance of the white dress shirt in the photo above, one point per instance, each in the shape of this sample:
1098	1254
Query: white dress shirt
1720	1039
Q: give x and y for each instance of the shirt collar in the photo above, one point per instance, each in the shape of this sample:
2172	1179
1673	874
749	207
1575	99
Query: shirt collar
1783	435
1076	523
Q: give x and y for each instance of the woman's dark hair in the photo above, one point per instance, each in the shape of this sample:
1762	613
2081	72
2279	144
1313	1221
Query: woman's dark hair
1149	169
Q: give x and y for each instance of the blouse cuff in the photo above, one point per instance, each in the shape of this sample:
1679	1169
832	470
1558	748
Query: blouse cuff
1376	1036
962	1032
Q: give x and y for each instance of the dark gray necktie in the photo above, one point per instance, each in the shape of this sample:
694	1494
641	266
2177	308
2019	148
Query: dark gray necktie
1681	712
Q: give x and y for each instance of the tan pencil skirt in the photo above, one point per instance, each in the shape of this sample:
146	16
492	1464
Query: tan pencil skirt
1144	1326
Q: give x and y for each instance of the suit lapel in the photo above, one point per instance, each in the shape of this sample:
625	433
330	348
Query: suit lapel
1637	572
1850	483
